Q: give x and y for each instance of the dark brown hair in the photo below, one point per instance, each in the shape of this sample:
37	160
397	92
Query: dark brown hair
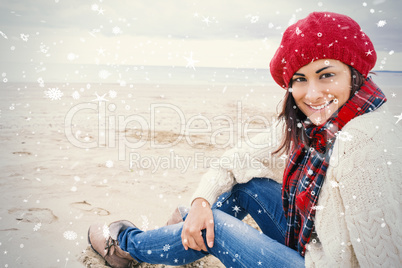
293	116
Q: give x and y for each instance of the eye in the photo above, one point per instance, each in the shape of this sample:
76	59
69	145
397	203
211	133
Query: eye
327	75
298	79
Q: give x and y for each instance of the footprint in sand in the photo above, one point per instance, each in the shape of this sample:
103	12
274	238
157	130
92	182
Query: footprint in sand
35	215
22	153
88	208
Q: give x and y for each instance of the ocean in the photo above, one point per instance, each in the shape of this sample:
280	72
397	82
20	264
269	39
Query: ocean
131	75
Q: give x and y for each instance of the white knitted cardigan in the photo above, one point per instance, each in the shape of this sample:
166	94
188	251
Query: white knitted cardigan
359	216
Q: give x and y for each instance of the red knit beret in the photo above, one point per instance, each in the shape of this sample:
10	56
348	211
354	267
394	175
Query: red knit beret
322	35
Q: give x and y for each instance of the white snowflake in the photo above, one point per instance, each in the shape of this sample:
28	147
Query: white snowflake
94	31
3	34
54	93
334	184
206	20
292	19
24	37
106	231
103	74
109	163
71	56
166	247
381	23
190	61
318	207
37	227
43	48
298	31
41	82
116	30
112	94
70	235
100	98
399	118
145	223
76	95
236	209
95	7
369	52
344	136
101	51
254	19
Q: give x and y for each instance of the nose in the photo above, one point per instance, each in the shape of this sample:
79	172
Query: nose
314	94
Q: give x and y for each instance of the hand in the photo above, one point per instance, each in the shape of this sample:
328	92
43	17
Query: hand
199	218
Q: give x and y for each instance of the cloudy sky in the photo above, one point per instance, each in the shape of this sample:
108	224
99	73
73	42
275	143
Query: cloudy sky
219	33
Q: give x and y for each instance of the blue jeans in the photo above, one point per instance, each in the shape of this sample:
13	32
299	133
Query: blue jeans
236	243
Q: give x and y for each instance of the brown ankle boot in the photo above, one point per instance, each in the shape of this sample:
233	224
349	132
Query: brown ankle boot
177	215
103	240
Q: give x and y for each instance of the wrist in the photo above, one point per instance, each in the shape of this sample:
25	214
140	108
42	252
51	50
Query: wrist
199	201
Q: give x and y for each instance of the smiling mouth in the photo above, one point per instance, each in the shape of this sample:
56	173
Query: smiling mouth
321	106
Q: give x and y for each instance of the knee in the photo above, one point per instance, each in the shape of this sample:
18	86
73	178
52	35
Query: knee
221	218
225	224
218	215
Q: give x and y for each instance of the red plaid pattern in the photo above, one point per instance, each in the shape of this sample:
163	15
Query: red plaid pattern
307	165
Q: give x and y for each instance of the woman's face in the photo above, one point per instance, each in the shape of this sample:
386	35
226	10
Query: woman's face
320	88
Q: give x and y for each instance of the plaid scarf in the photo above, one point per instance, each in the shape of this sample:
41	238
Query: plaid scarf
307	165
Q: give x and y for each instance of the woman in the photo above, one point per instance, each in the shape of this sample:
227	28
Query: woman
339	203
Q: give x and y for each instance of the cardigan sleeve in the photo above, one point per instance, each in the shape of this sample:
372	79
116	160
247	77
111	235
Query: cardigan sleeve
253	158
369	177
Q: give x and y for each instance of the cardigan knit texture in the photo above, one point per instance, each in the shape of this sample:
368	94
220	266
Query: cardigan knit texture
358	213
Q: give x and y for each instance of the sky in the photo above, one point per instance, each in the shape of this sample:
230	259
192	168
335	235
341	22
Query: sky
37	34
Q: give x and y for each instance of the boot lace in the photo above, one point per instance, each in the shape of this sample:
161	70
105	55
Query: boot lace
109	243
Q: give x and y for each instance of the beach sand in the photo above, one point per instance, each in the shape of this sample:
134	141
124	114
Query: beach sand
53	188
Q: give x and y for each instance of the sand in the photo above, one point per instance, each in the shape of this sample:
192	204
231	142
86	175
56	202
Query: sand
53	188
